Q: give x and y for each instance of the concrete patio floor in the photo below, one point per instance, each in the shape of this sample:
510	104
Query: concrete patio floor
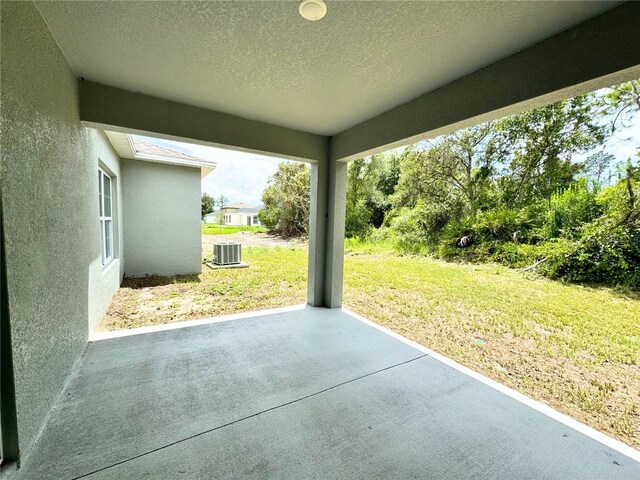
306	393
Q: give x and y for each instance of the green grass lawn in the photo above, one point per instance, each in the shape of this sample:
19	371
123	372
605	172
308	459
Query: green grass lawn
573	347
213	229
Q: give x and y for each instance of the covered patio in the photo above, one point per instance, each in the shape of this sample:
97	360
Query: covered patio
311	392
304	392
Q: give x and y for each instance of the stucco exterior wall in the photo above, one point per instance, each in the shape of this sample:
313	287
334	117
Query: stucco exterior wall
162	225
104	280
50	215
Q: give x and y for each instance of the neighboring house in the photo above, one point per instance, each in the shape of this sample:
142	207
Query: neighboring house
155	226
240	214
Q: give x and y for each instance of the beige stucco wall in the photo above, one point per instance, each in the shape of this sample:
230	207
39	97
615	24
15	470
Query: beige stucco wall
240	219
162	225
50	214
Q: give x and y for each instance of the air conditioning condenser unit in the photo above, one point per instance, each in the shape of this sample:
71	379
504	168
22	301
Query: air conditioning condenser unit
227	253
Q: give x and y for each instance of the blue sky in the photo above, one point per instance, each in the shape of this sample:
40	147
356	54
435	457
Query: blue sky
241	177
623	144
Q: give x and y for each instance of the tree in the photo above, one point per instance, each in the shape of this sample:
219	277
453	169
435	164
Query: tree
453	170
600	167
286	200
517	190
222	202
621	102
357	214
384	171
541	145
207	204
370	183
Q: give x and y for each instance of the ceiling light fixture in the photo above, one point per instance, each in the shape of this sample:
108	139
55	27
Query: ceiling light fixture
312	9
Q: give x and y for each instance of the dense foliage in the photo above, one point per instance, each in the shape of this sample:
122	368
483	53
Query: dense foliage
286	200
207	204
535	190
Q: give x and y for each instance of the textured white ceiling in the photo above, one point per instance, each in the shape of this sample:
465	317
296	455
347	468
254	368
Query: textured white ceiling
263	61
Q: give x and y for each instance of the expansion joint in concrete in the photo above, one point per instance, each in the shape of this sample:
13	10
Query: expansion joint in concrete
285	404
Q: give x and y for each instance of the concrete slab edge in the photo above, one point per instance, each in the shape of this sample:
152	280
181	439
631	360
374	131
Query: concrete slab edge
97	336
610	442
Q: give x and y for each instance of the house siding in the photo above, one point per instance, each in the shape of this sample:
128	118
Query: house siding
239	219
162	225
50	214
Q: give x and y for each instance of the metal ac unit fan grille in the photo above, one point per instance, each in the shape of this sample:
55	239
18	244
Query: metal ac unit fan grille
227	253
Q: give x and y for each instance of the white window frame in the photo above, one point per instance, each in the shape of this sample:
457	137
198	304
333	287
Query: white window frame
106	221
254	221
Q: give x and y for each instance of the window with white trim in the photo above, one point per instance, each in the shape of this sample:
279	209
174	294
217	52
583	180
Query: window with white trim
255	220
105	190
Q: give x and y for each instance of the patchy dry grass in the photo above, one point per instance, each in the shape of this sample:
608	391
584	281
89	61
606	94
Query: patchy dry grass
276	277
573	347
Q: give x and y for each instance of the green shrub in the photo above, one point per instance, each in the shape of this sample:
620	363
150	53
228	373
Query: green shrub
357	220
382	235
503	224
458	234
418	229
608	252
409	236
555	253
569	210
614	200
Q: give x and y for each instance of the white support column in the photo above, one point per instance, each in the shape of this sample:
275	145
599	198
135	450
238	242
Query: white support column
326	233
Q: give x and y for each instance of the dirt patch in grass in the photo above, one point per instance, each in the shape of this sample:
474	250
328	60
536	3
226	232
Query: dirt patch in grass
276	277
248	239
